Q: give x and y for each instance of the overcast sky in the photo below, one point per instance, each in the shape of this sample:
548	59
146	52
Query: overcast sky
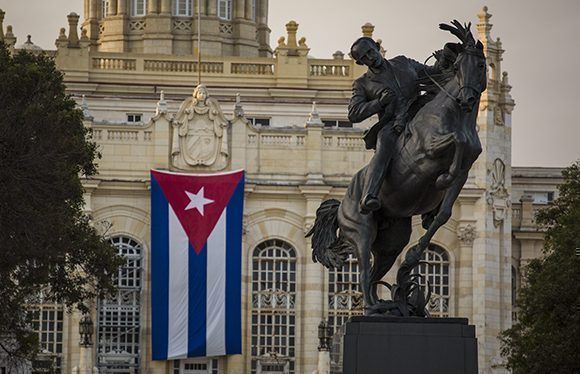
541	40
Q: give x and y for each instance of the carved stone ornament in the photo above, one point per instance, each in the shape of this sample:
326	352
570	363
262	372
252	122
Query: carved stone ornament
466	234
200	134
497	196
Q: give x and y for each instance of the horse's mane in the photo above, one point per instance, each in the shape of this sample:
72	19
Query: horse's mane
445	59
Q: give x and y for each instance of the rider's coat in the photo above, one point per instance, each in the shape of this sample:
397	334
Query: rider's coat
400	76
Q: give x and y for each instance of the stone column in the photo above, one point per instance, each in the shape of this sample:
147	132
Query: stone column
212	8
112	8
249	7
262	11
201	5
165	7
94	9
122	7
152	7
86	7
239	8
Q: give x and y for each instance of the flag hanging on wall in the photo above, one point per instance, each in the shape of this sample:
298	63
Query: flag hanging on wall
196	239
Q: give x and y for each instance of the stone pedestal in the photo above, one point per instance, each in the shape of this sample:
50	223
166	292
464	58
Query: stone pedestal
409	345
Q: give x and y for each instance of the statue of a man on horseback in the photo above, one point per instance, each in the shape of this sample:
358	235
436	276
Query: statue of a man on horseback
426	141
390	89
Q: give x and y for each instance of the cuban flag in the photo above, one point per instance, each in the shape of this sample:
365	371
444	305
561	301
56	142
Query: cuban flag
196	237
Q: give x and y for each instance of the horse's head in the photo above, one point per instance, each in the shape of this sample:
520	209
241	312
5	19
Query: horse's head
469	66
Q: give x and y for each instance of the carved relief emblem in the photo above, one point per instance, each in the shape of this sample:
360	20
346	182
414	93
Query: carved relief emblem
200	136
498	196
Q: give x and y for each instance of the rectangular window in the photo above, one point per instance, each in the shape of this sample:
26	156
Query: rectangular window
139	7
104	8
47	320
253	10
541	197
134	117
195	366
257	121
182	8
224	8
337	123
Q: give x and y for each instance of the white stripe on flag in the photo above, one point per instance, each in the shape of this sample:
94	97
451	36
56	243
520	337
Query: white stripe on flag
178	288
216	289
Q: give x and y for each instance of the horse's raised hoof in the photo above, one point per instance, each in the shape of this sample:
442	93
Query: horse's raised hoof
369	203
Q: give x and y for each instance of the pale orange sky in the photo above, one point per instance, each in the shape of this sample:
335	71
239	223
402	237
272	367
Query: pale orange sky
540	38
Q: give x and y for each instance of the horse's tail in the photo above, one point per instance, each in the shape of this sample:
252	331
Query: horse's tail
328	249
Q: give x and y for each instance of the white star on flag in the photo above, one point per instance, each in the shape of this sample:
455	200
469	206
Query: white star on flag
197	201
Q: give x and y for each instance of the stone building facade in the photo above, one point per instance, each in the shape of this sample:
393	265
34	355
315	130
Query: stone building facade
285	124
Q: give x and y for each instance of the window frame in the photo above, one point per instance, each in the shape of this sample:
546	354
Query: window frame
227	11
332	123
131	117
134	5
176	5
105	4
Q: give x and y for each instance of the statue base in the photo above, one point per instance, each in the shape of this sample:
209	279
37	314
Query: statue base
409	345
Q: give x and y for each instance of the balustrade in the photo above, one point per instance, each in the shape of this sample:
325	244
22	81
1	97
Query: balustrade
102	63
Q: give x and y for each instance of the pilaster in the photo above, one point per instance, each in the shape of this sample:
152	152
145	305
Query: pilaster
161	129
313	291
492	248
314	126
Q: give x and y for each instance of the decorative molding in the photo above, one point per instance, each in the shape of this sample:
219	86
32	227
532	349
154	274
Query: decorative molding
466	234
498	196
182	25
139	25
226	28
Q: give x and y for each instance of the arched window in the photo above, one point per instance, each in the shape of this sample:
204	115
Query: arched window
118	323
344	295
273	307
224	9
435	270
182	8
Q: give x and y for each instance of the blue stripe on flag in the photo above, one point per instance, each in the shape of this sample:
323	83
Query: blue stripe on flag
197	302
234	271
159	271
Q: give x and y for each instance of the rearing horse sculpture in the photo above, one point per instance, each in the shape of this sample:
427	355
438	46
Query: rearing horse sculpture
431	166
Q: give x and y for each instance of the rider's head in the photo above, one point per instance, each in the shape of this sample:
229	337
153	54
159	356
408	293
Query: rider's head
365	51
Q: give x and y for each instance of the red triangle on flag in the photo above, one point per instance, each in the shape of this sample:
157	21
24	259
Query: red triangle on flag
198	200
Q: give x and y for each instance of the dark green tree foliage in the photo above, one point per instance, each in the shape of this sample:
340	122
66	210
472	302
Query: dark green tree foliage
546	338
46	242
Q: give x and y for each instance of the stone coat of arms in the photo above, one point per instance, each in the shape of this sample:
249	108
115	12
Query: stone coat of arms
200	134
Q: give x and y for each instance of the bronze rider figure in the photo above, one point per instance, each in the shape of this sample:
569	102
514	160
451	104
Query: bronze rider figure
390	88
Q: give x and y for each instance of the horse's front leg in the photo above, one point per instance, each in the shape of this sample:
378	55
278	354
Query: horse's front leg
444	211
446	179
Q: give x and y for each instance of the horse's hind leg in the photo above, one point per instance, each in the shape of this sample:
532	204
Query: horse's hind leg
387	247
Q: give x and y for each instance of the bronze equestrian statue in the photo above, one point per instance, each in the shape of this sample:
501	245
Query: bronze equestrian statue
430	163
